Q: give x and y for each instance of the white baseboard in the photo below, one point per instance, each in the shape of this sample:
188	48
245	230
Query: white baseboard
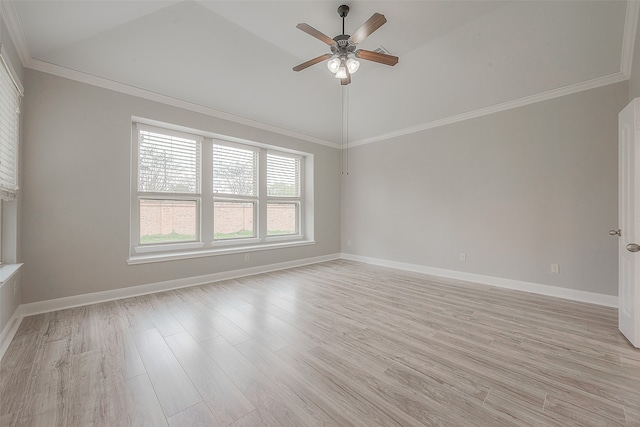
7	334
536	288
39	307
10	330
133	291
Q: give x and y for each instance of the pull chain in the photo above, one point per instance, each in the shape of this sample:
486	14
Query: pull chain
344	155
342	132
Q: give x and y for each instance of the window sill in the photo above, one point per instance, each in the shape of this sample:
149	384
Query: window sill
7	271
172	256
168	247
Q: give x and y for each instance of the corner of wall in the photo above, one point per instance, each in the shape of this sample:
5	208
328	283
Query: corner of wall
634	71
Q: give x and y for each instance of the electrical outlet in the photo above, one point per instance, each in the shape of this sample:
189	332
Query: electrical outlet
349	243
555	268
462	257
247	257
15	287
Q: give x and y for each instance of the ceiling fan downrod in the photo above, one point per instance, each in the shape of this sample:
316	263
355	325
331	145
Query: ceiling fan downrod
343	11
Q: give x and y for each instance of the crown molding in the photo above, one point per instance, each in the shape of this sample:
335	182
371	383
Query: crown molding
632	16
521	102
82	77
629	36
8	13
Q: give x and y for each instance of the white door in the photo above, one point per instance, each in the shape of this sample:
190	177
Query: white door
629	222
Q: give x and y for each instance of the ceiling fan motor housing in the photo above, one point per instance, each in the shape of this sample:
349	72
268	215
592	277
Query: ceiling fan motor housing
342	45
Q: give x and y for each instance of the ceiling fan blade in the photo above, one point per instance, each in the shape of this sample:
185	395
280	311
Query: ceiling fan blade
382	58
315	33
346	80
311	62
376	21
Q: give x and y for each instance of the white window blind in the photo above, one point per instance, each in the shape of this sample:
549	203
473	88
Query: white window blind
168	163
9	125
283	176
235	171
194	194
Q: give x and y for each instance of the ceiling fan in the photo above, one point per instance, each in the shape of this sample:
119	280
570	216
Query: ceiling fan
342	59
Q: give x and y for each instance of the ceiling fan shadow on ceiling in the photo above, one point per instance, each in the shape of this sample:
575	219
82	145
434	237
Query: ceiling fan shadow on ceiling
342	59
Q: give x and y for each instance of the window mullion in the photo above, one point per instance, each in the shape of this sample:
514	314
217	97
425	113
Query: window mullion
301	199
134	201
206	188
262	194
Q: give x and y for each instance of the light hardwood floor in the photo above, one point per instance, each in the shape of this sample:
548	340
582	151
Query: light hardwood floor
331	344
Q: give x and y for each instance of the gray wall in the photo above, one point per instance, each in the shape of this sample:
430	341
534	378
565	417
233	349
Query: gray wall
77	142
634	81
516	191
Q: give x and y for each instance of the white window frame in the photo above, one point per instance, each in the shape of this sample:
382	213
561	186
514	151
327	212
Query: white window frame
255	199
10	121
9	189
141	195
205	244
298	200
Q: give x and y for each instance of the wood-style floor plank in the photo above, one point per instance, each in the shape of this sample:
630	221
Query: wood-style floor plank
15	371
331	344
127	404
292	387
46	398
263	395
250	420
197	415
224	399
173	387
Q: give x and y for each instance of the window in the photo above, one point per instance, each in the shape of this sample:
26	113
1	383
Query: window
283	195
196	195
9	125
10	95
168	186
235	192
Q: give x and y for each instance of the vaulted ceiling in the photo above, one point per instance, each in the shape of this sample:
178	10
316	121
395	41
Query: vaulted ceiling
458	59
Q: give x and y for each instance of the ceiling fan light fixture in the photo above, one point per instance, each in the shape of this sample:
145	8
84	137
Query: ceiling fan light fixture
342	60
353	65
333	64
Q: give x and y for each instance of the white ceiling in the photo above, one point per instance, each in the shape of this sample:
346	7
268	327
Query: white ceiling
457	58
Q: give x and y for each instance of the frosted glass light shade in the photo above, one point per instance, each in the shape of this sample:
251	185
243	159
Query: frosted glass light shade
342	73
353	65
333	64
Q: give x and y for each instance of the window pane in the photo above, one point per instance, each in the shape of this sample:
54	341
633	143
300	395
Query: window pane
234	171
233	220
167	221
9	124
168	164
283	176
282	219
